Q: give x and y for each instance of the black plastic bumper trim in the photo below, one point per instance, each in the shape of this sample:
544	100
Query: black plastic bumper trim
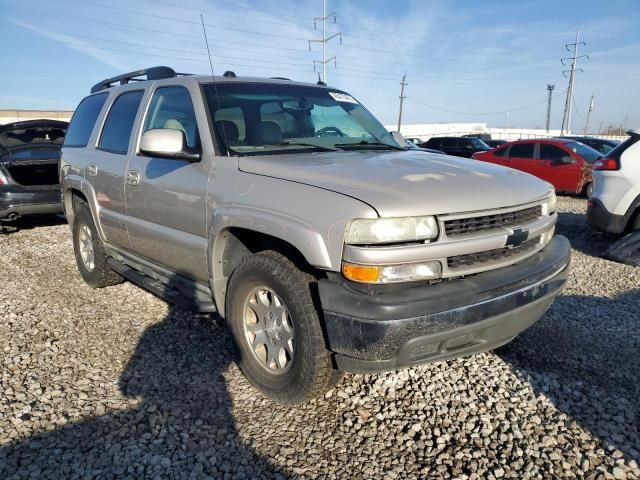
379	332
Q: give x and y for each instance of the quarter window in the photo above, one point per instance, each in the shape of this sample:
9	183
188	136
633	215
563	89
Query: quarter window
521	150
116	132
171	107
83	121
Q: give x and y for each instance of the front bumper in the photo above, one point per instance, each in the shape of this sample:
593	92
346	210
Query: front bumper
414	325
29	201
603	220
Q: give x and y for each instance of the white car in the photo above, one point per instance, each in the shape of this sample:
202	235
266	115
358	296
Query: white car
614	206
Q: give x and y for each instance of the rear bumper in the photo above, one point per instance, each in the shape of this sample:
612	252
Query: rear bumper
602	219
409	326
23	201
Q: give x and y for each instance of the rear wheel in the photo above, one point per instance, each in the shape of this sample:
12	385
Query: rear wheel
587	190
277	330
90	255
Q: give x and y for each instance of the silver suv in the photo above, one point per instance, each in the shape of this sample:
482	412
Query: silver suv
288	209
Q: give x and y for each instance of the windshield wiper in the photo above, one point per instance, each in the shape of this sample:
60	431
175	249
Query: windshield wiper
287	143
366	143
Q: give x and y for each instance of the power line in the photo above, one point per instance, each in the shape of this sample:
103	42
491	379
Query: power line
502	112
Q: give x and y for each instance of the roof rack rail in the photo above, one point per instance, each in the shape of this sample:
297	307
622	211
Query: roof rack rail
280	78
152	73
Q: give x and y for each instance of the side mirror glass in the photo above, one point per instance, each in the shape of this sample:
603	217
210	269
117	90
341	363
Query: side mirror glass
167	143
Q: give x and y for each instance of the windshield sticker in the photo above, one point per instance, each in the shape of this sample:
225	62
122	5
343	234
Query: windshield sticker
342	97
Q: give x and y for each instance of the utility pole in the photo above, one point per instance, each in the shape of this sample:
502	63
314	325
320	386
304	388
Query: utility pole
550	91
506	122
626	117
402	97
586	126
324	40
568	105
600	127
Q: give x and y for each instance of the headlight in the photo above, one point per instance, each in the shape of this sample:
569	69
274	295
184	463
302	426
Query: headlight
549	206
368	231
407	272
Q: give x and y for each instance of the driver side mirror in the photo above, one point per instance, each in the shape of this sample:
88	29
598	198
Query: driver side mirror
167	143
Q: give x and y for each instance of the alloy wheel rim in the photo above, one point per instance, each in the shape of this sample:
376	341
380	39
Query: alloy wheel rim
86	248
268	330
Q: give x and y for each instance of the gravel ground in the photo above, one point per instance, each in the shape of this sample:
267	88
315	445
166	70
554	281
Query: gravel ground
114	383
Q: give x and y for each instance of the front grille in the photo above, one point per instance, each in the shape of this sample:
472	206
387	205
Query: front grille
499	254
487	222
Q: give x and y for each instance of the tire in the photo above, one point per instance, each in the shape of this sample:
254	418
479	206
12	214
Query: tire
96	273
635	226
588	190
301	369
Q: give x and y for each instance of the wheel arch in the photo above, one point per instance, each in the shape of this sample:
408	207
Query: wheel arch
233	244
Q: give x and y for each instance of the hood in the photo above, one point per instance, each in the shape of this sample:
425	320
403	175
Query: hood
405	183
32	133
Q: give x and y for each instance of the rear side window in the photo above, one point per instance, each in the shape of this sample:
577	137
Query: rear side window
551	152
450	142
84	118
434	142
116	132
521	150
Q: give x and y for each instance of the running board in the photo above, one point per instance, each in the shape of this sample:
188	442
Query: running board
182	292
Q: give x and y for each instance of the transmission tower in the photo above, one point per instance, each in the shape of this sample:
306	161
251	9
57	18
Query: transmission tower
550	91
566	118
402	97
586	125
324	40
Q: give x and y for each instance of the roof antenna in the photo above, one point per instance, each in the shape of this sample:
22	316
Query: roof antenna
320	82
215	86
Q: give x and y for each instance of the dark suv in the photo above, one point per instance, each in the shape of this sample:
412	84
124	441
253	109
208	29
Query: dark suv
29	162
458	146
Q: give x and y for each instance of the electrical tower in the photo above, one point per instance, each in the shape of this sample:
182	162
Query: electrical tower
402	97
550	96
586	125
324	40
566	118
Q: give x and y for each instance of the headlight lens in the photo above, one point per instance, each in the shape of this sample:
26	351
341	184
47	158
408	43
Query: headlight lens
371	231
407	272
549	207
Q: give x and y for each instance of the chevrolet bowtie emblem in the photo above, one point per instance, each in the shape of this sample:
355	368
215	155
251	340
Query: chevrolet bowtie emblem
517	238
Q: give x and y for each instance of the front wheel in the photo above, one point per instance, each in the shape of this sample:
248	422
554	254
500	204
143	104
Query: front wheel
90	255
588	190
277	331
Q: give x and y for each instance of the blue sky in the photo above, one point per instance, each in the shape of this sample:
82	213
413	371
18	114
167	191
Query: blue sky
464	58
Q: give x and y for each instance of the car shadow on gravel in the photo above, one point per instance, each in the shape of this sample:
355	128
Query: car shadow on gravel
183	426
583	356
582	237
31	222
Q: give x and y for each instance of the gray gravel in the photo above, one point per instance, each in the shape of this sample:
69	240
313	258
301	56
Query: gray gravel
114	383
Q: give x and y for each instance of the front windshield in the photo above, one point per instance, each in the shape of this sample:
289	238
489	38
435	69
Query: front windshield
267	118
477	143
588	153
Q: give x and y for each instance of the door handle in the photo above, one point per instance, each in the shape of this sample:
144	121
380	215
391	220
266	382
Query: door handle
133	177
92	170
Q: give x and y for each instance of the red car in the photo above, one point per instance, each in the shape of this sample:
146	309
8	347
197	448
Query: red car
564	163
